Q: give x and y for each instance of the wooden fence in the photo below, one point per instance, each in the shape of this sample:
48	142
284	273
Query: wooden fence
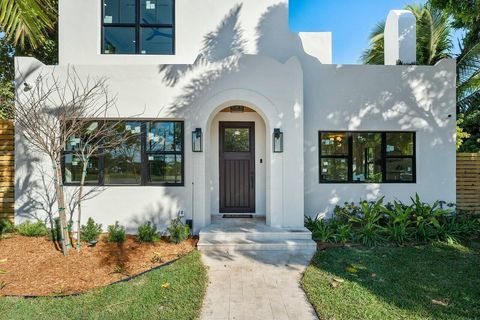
468	182
7	170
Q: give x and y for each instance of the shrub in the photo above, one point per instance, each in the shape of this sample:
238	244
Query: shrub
6	226
32	229
91	231
374	222
178	231
116	233
147	232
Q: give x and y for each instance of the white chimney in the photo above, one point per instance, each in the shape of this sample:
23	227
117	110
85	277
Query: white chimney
400	38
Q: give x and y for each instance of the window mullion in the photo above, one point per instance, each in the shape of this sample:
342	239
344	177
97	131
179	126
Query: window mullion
384	157
137	26
350	157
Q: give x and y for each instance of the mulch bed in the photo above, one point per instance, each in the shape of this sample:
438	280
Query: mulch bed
35	267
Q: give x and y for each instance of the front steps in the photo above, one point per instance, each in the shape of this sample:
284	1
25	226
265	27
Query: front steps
232	235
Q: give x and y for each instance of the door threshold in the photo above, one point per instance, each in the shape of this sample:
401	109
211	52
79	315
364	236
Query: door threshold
237	216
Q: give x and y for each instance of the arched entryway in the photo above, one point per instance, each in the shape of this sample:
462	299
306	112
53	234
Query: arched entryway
238	162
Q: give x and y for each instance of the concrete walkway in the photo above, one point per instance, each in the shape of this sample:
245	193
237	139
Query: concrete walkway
256	285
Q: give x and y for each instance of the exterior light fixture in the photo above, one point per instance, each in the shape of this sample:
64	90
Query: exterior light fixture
197	140
277	141
237	109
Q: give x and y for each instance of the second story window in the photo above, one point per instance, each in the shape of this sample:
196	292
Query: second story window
138	27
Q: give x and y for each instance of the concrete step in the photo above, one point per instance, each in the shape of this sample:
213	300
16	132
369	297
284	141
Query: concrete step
255	235
231	245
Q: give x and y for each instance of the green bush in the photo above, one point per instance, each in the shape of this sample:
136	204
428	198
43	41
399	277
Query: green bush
178	231
147	232
32	229
372	223
91	231
116	233
6	226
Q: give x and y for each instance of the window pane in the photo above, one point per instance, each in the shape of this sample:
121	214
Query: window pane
157	11
165	168
74	167
400	144
164	136
119	11
367	157
157	40
118	40
400	170
334	169
123	164
334	143
237	140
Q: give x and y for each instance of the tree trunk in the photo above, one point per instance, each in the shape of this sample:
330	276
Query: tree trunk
61	206
79	202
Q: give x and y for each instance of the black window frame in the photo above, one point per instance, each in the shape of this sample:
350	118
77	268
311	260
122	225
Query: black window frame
384	157
144	172
138	29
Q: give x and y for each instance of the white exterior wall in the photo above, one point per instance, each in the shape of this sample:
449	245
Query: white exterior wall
287	85
400	37
384	98
80	31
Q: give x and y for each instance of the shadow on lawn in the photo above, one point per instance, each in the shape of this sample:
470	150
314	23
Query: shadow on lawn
436	281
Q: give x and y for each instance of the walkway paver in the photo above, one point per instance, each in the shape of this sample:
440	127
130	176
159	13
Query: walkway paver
256	285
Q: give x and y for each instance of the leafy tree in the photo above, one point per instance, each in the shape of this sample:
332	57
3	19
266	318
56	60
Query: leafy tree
434	42
465	14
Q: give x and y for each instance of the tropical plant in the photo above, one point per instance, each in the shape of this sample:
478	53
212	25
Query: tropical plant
32	229
433	37
427	218
147	232
91	231
27	22
322	231
116	233
398	225
178	231
468	79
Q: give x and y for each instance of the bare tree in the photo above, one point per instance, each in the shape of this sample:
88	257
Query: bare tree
97	136
52	111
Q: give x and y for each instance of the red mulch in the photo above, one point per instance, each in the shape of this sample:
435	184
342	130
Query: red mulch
35	266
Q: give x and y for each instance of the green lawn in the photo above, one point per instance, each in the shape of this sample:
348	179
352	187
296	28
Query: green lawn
141	298
437	281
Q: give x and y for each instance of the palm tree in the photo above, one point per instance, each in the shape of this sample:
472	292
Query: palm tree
468	79
27	23
434	42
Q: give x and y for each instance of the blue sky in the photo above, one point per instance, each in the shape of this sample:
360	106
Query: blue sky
350	22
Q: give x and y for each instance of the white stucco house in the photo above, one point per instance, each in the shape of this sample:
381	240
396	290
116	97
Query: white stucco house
240	115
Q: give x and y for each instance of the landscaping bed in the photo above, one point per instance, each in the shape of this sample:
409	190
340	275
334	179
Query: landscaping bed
34	266
172	292
434	281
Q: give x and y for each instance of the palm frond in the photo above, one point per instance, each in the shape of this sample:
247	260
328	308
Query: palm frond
468	79
26	21
375	54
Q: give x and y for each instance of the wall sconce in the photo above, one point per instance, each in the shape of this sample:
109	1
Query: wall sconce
197	140
277	141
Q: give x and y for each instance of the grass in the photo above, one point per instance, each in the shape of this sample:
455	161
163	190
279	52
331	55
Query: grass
141	298
437	281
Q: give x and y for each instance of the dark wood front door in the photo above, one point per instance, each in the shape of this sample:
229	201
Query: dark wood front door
237	167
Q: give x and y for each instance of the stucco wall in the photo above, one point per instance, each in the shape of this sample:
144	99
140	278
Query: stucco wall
80	31
383	98
286	84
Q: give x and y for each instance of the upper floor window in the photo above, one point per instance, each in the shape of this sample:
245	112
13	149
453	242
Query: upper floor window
368	157
138	27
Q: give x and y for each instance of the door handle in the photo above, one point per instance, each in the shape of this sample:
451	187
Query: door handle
252	180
